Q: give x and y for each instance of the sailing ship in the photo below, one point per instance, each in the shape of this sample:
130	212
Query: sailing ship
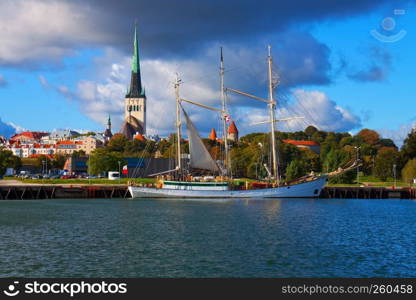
183	185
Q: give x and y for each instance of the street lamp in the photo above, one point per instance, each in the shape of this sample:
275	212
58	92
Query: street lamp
358	166
119	172
394	175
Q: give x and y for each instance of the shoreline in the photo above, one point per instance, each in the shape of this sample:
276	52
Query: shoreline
17	190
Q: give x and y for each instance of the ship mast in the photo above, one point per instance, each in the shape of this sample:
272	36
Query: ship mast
224	116
178	123
272	108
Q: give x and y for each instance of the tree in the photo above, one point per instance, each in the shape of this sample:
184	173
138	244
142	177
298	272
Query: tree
101	160
387	143
409	171
117	143
310	130
43	161
409	145
295	169
369	136
58	161
78	154
385	159
335	159
7	160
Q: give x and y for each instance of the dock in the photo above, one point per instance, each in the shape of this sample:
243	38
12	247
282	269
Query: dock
55	191
360	192
34	192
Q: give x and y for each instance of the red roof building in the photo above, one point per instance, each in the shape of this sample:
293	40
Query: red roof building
312	145
213	135
139	137
232	132
28	136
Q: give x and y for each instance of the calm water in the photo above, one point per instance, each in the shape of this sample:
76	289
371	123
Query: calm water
275	238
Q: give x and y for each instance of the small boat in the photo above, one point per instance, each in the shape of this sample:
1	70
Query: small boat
183	185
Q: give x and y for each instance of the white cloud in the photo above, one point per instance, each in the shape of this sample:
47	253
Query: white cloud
43	81
104	94
44	30
314	106
9	129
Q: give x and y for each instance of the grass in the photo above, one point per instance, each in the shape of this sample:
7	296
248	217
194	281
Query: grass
373	181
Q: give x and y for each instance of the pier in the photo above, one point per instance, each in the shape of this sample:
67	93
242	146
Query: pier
359	192
33	192
55	191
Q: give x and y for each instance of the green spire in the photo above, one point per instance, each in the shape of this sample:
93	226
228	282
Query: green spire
135	61
109	120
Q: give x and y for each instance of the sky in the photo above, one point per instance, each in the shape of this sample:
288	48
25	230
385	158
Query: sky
341	65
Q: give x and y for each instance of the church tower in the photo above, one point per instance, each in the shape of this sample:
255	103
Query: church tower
135	101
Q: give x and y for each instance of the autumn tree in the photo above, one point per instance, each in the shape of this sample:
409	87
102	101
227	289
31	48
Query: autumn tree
369	136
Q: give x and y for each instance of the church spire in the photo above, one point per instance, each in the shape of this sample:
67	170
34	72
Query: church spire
135	61
136	90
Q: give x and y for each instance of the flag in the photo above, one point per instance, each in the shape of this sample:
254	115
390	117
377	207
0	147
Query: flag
125	170
227	119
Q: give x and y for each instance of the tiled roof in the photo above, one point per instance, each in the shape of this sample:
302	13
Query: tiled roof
140	137
232	128
213	135
30	134
301	143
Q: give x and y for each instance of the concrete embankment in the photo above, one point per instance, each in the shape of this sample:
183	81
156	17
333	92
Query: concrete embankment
16	190
55	191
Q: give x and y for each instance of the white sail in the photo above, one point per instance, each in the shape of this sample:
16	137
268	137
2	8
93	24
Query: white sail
200	157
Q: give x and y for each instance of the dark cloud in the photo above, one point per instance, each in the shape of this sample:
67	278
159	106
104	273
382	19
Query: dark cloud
181	27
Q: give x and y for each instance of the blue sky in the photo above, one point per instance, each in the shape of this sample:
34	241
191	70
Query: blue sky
72	70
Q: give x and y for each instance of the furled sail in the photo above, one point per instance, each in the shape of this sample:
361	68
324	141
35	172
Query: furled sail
200	157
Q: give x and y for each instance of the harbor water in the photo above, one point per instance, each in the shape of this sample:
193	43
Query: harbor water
236	238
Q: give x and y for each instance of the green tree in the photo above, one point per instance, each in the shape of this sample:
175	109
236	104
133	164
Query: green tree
117	143
409	171
58	161
43	161
385	159
409	145
295	169
310	130
101	160
78	154
335	159
7	160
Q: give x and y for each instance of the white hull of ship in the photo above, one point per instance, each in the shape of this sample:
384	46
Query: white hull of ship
308	189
